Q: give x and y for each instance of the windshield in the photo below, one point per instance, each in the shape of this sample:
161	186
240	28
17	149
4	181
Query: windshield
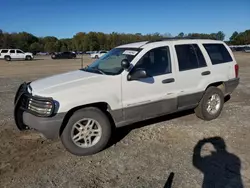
110	63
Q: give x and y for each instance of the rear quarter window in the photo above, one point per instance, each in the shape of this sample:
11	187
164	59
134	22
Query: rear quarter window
218	53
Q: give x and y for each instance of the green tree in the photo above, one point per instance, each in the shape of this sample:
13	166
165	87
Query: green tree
181	34
78	41
50	47
93	41
220	36
234	35
64	48
35	47
1	38
242	38
7	41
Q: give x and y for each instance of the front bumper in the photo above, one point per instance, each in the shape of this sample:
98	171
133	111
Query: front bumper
48	126
26	119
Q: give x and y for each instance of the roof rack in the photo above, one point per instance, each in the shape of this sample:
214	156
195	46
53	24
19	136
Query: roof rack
178	38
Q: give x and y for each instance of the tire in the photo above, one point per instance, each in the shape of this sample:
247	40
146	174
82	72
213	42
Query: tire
69	131
7	58
28	58
96	57
202	109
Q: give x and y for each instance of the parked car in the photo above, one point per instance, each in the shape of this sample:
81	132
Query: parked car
98	54
63	55
247	49
134	82
42	53
15	54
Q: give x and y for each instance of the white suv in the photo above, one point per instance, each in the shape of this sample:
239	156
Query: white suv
133	82
98	54
9	54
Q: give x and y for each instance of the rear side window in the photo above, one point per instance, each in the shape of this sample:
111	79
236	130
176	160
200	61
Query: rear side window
189	57
218	53
12	51
4	51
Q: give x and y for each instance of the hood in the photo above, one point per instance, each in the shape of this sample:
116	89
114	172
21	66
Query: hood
53	84
28	53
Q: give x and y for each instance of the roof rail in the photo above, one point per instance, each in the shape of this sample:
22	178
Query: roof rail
178	38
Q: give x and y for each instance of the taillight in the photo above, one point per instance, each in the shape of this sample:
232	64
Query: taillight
236	69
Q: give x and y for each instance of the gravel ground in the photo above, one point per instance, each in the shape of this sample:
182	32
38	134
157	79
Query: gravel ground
141	155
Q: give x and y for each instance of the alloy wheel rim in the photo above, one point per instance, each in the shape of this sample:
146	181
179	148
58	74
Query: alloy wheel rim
213	104
86	133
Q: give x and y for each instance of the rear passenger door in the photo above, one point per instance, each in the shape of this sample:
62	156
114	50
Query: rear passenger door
192	74
13	54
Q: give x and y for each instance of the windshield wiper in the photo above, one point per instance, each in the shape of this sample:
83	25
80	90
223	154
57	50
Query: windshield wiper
97	69
94	68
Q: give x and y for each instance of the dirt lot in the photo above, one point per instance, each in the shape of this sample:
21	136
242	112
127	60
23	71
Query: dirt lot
142	155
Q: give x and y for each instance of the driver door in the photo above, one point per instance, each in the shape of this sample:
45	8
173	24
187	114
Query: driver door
152	96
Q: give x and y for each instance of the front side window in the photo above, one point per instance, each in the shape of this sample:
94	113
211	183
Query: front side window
19	52
110	63
189	57
218	53
155	62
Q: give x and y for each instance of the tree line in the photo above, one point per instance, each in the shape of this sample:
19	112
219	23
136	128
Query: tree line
98	41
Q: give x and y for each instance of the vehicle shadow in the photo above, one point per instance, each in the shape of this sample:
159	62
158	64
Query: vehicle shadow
35	59
122	132
220	168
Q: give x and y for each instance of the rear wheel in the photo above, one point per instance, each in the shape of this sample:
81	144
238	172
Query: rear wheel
7	58
87	132
211	104
96	57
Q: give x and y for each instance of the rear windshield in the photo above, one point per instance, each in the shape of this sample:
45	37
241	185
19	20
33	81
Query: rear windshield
218	53
4	51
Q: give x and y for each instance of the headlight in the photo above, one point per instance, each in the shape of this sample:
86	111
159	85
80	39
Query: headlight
41	107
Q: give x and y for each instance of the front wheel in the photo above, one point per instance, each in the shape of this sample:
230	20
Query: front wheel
87	132
28	58
211	104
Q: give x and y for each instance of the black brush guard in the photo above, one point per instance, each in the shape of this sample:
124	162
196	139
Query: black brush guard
21	103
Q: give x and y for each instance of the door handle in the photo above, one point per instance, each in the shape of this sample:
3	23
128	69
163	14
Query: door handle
169	80
205	73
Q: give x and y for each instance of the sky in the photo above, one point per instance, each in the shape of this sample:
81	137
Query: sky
64	18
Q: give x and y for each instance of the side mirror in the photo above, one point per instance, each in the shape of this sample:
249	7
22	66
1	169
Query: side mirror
138	74
125	64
